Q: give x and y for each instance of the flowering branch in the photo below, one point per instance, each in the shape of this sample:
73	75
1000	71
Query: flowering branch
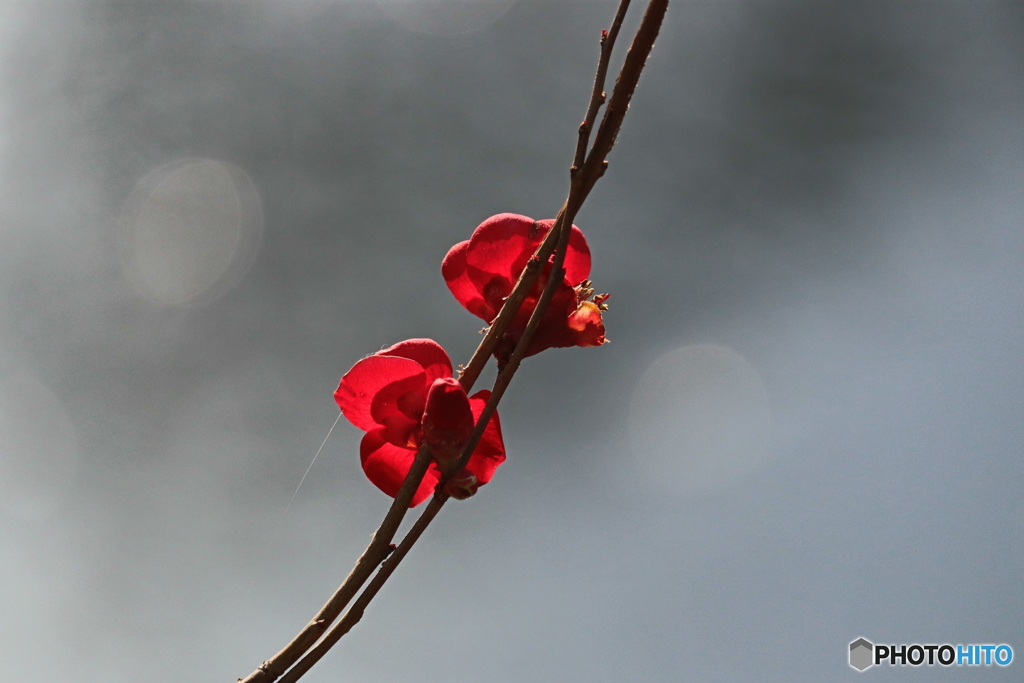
534	266
355	613
304	650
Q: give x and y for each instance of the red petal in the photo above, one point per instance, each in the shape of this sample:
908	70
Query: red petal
490	452
399	407
482	271
553	330
361	384
387	465
500	246
587	325
577	254
427	352
394	400
453	268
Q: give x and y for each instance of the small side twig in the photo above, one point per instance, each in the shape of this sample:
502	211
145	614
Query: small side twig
597	96
625	86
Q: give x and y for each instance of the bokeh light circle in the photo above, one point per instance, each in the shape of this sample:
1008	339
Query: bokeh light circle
699	419
190	230
445	17
38	448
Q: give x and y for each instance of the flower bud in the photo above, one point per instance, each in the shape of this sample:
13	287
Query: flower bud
461	486
447	422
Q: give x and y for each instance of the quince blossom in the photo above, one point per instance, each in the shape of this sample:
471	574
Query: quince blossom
405	396
482	271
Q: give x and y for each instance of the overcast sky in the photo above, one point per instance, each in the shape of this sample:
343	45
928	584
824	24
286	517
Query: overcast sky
807	427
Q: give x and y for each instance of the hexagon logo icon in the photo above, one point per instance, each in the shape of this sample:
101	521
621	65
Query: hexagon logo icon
861	654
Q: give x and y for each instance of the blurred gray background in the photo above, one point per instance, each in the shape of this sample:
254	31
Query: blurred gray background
807	427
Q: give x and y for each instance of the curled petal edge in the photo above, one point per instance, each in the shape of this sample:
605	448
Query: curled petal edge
387	465
360	385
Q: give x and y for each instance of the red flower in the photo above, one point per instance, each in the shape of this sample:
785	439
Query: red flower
404	396
482	271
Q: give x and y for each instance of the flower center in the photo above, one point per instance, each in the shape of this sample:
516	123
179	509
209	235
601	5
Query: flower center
411	404
496	291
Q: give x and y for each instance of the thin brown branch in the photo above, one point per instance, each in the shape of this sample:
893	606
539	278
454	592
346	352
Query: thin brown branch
269	671
584	175
643	42
625	86
597	96
355	613
371	558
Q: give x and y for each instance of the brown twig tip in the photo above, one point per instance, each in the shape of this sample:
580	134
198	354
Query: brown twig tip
597	96
625	85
